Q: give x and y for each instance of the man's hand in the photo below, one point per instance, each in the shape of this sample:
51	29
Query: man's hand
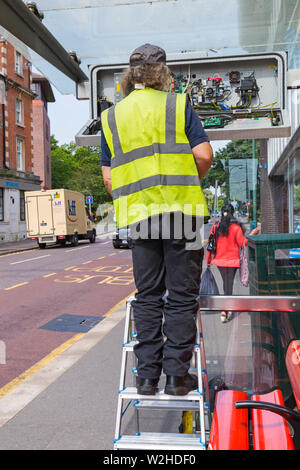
107	178
203	154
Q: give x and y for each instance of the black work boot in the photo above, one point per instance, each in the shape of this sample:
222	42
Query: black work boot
146	386
181	385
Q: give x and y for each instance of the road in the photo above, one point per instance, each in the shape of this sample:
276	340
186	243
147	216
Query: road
49	296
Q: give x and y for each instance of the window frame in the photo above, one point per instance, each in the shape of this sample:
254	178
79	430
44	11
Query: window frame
21	141
2	205
21	122
18	63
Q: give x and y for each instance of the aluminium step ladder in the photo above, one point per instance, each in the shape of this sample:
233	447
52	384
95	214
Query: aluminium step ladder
195	402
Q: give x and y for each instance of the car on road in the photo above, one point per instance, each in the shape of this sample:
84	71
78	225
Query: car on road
121	238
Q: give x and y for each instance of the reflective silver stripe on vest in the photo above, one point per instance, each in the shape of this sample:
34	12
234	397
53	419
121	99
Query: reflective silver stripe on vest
156	180
168	148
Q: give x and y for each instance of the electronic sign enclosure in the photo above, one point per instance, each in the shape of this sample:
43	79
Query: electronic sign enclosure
235	97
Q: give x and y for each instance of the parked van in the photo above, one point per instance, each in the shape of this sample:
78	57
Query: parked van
58	216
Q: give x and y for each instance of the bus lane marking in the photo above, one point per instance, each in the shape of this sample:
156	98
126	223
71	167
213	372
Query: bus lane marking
17	285
110	275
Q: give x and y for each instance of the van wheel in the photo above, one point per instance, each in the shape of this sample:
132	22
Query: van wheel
42	246
74	241
93	237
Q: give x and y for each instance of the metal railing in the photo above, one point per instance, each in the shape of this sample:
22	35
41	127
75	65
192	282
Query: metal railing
239	303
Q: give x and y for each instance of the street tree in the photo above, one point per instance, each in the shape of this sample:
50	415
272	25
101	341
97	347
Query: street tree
78	169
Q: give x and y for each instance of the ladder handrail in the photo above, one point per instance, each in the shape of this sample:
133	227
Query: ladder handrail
240	303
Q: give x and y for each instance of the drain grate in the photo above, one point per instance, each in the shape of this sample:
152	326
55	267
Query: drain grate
74	323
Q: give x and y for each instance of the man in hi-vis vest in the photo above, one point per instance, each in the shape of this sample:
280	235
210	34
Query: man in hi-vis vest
154	151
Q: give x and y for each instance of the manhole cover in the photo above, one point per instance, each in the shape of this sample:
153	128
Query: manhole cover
74	323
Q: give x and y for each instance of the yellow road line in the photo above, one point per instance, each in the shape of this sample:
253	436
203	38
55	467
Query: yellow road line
52	355
49	275
118	304
87	262
102	257
17	285
32	370
71	267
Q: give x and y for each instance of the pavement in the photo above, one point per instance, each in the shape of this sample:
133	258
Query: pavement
15	247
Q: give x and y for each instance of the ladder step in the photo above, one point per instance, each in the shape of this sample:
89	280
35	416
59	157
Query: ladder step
159	441
129	346
130	393
167	405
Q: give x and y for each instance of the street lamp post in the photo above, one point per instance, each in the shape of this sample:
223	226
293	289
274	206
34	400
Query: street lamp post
254	177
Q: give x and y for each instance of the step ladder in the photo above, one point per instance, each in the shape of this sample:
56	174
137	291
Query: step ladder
195	404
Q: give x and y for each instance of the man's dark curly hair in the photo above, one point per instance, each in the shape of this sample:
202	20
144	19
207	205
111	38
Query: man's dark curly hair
155	76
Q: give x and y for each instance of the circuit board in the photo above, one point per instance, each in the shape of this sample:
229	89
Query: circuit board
220	99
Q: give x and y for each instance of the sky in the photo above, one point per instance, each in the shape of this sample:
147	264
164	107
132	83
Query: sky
67	116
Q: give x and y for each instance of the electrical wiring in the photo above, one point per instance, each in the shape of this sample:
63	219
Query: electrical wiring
213	97
266	105
189	79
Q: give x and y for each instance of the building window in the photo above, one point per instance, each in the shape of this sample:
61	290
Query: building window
18	63
1	204
19	111
20	155
22	206
297	206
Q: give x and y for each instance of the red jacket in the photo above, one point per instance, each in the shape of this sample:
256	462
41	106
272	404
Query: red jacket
227	253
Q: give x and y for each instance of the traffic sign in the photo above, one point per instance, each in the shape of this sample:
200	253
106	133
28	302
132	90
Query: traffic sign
89	200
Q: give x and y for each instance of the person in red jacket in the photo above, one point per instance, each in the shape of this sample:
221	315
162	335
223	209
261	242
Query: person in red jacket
229	239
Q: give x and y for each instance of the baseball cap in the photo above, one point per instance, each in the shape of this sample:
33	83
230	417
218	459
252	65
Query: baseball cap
147	54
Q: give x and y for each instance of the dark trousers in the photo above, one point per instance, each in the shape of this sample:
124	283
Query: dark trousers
228	275
161	265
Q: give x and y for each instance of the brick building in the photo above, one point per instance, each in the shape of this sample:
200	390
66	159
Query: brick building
16	136
41	129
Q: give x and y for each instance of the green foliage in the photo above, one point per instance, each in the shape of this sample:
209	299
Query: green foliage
297	198
78	169
235	149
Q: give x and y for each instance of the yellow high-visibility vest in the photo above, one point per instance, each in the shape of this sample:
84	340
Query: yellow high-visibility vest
153	170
